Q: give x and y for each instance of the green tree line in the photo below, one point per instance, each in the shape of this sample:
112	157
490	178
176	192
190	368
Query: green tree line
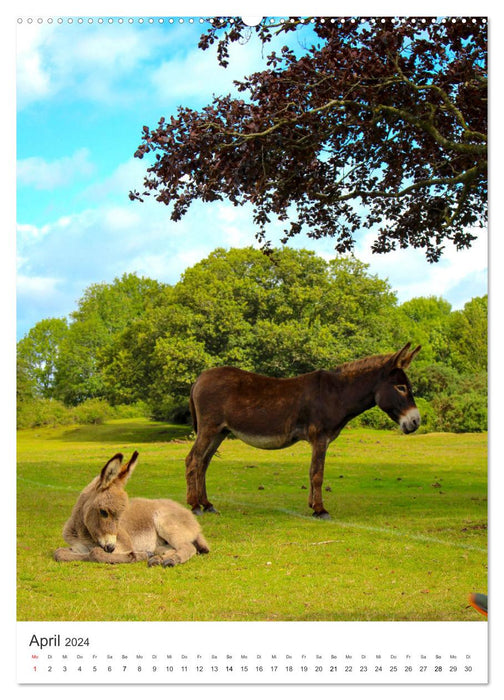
137	345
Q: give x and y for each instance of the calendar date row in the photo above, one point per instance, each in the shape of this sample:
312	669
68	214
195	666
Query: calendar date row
254	669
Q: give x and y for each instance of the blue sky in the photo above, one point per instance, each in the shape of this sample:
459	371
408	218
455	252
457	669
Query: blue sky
84	91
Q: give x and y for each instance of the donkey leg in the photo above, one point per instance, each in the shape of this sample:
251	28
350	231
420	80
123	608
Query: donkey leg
191	479
197	463
319	448
212	449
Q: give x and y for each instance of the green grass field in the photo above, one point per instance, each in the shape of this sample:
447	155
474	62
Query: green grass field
407	539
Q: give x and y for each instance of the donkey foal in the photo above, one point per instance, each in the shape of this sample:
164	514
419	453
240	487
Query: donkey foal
106	526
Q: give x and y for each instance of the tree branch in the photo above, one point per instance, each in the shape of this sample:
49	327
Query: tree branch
445	98
465	177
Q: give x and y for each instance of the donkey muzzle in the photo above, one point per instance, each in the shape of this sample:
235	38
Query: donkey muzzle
410	420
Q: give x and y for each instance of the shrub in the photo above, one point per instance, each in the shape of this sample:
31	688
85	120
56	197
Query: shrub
427	414
378	419
374	418
461	413
93	411
432	380
51	413
170	409
139	409
43	412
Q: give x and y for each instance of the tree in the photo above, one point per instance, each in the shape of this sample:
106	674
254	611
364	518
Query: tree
451	373
381	124
78	375
104	311
469	336
282	314
26	389
38	353
116	304
429	319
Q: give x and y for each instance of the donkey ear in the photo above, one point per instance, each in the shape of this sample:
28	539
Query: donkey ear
127	469
403	358
413	354
110	471
398	359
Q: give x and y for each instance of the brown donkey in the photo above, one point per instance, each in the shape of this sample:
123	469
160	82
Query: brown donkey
275	413
106	526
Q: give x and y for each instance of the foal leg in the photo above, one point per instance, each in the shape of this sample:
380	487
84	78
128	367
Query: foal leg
161	553
116	557
201	544
319	448
172	554
97	554
67	554
181	554
197	462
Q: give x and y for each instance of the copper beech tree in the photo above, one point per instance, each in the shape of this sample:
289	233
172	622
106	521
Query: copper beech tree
381	123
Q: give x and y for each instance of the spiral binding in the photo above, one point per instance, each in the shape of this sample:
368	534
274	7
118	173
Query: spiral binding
202	20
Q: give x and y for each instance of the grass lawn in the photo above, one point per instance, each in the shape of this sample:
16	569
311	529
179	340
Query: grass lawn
407	539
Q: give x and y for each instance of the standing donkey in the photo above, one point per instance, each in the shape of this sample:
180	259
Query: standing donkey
106	526
274	413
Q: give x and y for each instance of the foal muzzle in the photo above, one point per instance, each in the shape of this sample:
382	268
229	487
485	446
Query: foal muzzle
108	543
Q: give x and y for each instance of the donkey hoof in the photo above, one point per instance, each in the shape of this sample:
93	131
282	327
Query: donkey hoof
154	560
323	515
197	511
210	509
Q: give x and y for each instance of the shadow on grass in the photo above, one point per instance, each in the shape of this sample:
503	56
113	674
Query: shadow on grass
133	432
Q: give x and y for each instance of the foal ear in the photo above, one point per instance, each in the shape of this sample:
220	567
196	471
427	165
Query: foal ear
110	471
115	470
403	358
127	469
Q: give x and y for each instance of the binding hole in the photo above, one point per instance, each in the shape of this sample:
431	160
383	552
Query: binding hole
251	21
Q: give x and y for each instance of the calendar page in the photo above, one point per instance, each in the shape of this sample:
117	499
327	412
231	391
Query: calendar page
252	346
230	653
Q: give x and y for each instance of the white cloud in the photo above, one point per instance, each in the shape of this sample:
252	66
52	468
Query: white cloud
166	266
115	64
121	219
198	73
27	232
127	176
59	259
84	61
457	277
236	226
27	286
44	175
411	275
33	80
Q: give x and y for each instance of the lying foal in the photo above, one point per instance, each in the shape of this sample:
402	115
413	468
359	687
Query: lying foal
106	526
